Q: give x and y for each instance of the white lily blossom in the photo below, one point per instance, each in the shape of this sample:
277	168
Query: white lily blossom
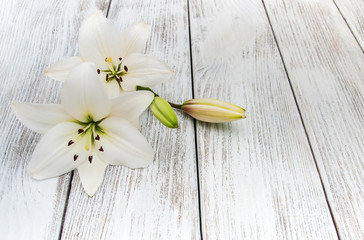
87	131
118	56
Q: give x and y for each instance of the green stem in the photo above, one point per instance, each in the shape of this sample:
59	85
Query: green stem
138	88
178	106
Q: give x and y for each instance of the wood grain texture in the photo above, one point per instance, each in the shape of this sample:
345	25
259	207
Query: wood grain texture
32	36
352	11
161	201
258	178
326	68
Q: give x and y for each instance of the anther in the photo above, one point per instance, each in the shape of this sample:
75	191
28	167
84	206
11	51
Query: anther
107	77
120	58
98	71
90	159
97	137
70	142
80	131
75	157
101	149
120	79
108	59
125	68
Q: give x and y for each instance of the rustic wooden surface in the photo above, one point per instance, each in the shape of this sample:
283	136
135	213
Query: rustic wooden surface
352	11
260	171
292	170
326	68
33	35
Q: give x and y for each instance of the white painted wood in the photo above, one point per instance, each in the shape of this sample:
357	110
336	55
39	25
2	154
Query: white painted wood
161	201
258	178
33	34
352	11
326	68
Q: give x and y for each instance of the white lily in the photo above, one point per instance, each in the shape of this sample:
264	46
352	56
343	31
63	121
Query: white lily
118	56
87	131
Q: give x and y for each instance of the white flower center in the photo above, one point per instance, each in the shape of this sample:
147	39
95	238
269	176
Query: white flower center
89	132
114	72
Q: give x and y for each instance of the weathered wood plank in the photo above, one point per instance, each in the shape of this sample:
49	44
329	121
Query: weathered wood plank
32	36
161	201
326	69
352	11
258	179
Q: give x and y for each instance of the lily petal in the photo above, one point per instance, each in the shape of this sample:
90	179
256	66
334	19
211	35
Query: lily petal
62	68
112	88
123	144
92	174
131	104
98	40
136	123
134	38
54	155
145	71
84	95
40	117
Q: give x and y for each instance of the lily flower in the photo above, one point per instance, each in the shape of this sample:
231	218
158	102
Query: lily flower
87	131
118	56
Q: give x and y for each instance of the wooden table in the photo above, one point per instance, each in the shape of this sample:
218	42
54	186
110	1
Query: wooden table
294	169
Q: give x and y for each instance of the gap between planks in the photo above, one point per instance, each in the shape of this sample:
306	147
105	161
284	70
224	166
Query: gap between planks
73	172
66	205
194	123
346	22
299	111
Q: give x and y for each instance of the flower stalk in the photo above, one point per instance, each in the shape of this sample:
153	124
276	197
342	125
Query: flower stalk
177	106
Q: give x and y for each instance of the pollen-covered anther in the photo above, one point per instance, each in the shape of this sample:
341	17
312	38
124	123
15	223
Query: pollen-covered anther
97	137
101	149
70	143
90	159
125	68
80	131
75	157
108	59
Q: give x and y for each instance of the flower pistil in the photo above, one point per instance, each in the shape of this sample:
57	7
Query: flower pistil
89	132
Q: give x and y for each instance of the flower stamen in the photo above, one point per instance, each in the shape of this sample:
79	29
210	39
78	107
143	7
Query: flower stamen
80	131
114	71
75	157
70	143
90	159
101	149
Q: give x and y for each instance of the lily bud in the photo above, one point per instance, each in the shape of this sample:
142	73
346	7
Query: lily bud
163	111
212	110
